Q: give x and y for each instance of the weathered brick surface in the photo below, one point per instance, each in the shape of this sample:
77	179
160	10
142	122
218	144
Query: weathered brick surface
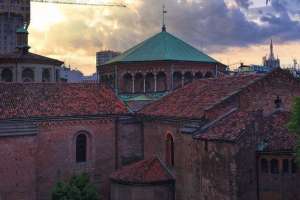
130	142
151	192
278	186
223	170
17	168
55	158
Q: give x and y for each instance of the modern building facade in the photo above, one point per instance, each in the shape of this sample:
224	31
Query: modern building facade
104	56
13	15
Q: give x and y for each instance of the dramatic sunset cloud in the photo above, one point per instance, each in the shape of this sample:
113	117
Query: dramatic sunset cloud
230	30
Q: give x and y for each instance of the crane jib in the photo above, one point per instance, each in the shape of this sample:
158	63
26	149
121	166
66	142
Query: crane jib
77	3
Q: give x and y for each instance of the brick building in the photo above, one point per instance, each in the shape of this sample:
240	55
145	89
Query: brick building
219	138
156	66
225	138
49	132
22	66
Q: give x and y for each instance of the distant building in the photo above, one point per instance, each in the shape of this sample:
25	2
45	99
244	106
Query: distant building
256	69
23	66
104	56
271	61
76	76
13	14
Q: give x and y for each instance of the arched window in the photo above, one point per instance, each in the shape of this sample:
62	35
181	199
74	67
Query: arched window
294	166
177	80
198	75
7	75
28	75
208	75
264	166
188	77
285	166
150	82
139	83
127	83
170	150
161	82
274	166
81	148
46	75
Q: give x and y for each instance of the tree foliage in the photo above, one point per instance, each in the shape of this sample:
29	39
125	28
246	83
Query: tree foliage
294	125
77	188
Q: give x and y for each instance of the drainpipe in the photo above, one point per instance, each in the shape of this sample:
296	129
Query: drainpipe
257	177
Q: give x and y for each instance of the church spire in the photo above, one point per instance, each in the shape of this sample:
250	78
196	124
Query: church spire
164	12
271	50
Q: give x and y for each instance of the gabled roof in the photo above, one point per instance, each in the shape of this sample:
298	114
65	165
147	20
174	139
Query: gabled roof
144	172
162	47
28	100
279	137
229	129
193	99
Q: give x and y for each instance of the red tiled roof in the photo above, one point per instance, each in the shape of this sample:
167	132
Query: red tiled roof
280	139
28	57
191	100
56	100
143	172
230	128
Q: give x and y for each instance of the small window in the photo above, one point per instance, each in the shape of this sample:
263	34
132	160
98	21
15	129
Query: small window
285	166
46	75
81	148
294	167
170	150
7	75
28	75
264	166
274	166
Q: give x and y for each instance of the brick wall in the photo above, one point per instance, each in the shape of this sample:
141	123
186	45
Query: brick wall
145	192
17	168
130	141
55	158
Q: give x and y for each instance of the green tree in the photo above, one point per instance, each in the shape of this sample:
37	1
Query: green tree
294	125
77	188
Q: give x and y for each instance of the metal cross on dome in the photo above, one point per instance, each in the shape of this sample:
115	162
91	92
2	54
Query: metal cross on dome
164	13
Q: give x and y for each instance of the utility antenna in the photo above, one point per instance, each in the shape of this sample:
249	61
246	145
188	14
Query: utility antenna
164	12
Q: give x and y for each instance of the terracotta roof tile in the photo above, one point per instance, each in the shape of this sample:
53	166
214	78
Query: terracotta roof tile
230	128
143	172
280	139
56	100
191	100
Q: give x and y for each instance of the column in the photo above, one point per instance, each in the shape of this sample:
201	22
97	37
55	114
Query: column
144	84
155	83
182	80
133	84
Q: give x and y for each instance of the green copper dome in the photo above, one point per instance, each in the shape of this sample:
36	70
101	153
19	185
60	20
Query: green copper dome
162	47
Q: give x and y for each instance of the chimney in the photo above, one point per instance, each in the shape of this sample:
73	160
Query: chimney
22	39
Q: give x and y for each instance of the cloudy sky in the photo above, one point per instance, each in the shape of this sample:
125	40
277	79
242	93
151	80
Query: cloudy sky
229	30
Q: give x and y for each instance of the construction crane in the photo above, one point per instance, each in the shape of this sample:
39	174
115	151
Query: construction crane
74	2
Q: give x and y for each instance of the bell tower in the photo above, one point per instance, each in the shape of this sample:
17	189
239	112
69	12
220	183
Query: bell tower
22	39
